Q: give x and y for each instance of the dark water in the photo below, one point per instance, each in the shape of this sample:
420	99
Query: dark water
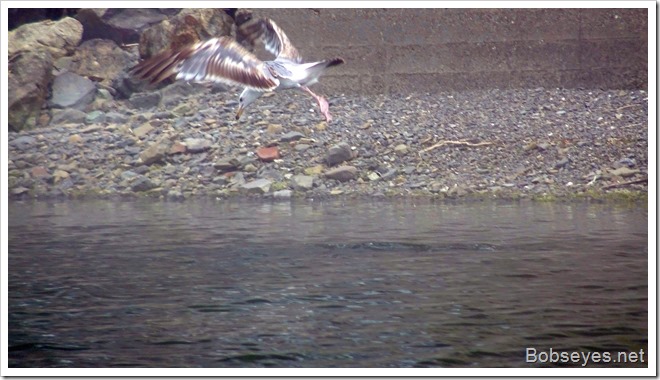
323	284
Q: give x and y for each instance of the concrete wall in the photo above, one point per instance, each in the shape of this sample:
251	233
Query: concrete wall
433	50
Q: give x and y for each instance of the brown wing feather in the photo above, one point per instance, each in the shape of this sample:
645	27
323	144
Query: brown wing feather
273	38
215	60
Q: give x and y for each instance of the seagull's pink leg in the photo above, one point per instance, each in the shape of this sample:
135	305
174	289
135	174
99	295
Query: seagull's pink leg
323	104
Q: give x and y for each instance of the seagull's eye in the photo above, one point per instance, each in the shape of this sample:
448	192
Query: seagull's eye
240	99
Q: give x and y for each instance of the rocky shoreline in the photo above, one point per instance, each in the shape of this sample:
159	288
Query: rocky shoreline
80	127
182	142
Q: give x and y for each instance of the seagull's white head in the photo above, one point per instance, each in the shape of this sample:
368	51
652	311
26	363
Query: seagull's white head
248	96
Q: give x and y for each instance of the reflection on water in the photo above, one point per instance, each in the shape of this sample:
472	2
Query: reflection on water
322	284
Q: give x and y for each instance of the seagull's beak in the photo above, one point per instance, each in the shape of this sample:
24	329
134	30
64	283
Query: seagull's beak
239	112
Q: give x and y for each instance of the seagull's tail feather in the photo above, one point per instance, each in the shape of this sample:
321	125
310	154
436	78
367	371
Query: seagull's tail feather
314	70
334	61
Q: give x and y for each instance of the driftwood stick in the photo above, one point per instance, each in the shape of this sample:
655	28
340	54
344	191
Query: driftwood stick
612	186
450	142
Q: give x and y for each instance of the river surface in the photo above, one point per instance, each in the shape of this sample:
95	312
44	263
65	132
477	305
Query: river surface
324	284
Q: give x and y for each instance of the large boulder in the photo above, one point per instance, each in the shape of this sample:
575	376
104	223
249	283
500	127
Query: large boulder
101	60
187	27
59	38
30	74
120	25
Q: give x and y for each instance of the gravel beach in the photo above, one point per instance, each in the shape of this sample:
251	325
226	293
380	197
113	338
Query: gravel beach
182	141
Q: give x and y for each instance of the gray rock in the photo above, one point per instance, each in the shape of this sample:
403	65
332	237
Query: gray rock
389	174
259	186
19	190
156	151
561	163
174	195
226	164
291	136
172	95
23	142
373	176
144	100
59	38
542	146
238	180
282	194
338	154
141	169
302	182
29	78
197	145
72	91
417	185
104	94
68	115
301	147
128	174
142	183
401	149
116	117
95	117
342	173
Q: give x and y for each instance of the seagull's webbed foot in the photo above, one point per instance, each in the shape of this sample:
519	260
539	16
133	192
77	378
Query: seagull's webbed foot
323	104
325	108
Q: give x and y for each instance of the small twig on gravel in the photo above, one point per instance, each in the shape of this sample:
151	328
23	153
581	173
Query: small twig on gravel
624	184
449	142
628	106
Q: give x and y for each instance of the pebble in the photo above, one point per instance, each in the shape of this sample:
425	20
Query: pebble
282	194
95	117
68	116
226	164
142	183
23	142
268	154
342	173
142	100
302	182
259	186
39	172
155	152
291	136
274	129
143	130
401	149
301	147
338	153
196	145
75	139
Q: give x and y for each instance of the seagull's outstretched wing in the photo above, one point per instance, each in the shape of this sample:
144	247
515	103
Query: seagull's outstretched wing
216	60
274	38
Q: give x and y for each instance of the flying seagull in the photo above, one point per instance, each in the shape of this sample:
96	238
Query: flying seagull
224	60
